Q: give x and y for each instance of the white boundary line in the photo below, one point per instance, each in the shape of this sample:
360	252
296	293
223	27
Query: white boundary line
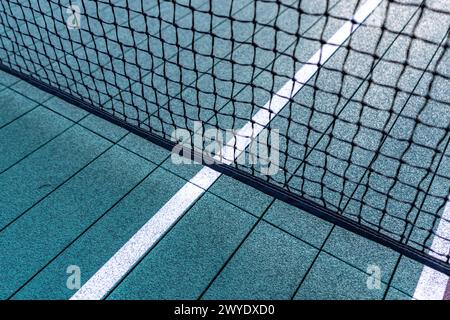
130	253
432	283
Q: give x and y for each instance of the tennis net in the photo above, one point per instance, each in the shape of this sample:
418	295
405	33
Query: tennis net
339	107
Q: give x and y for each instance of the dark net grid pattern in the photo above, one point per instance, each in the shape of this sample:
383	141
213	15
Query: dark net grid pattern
366	137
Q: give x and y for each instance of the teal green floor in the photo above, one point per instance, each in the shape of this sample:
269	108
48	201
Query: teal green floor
74	189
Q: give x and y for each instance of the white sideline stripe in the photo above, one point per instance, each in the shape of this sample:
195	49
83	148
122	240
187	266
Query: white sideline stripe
432	283
116	267
130	253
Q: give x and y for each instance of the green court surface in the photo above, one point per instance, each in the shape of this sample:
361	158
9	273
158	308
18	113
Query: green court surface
82	187
76	189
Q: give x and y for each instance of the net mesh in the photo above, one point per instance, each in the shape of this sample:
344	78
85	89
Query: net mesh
362	131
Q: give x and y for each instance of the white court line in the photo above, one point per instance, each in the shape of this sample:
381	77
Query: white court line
432	283
130	253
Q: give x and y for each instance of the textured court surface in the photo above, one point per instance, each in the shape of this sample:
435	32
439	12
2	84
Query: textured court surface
74	189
